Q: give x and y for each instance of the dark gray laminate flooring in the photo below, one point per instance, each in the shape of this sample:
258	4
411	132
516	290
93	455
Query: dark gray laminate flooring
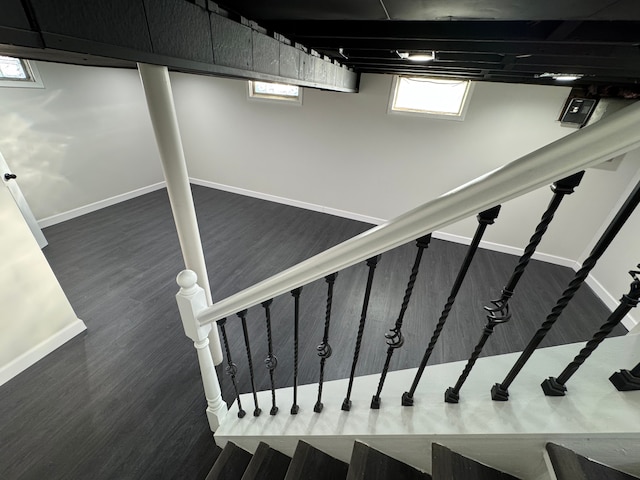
124	400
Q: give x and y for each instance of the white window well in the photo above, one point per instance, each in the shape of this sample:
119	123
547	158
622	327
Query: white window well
275	92
15	72
431	97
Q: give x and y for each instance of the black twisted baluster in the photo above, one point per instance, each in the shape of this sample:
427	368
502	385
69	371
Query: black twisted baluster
555	387
371	263
500	392
324	349
627	380
232	368
296	316
498	311
485	219
271	362
243	317
394	337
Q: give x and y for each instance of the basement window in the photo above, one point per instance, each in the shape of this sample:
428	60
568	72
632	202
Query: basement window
430	97
16	72
279	92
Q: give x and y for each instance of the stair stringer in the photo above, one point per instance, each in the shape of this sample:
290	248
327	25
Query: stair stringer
509	436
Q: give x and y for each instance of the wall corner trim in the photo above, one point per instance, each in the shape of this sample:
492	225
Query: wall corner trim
44	348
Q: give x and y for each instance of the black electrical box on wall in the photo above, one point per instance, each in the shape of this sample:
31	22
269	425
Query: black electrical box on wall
578	110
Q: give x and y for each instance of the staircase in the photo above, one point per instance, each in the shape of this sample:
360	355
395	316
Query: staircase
310	463
489	424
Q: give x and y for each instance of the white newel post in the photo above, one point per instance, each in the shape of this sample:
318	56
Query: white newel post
157	90
191	300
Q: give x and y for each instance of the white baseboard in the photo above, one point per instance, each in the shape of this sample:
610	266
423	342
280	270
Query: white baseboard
288	201
40	351
609	300
498	247
92	207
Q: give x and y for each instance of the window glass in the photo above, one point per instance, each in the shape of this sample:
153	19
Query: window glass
12	69
275	91
431	96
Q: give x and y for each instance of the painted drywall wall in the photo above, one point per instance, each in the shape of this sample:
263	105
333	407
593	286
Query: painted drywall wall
610	275
345	152
36	316
84	138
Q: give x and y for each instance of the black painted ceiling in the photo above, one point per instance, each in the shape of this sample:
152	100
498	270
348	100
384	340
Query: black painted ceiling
491	40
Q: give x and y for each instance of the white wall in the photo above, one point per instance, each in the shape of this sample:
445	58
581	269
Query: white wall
36	316
610	275
84	138
345	152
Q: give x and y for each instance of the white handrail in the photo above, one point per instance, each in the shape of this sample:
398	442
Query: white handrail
589	146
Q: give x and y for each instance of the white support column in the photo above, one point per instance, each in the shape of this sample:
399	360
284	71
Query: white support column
157	90
191	300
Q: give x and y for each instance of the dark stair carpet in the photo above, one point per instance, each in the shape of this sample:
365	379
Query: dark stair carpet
449	465
230	464
370	464
309	463
312	464
568	465
267	464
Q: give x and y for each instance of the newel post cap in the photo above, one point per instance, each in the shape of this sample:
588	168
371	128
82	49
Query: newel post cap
191	301
188	282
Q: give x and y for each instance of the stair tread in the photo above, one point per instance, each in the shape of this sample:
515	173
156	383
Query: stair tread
267	464
569	465
371	464
449	465
312	464
230	464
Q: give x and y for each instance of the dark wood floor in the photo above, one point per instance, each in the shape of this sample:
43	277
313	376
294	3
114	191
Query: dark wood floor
124	400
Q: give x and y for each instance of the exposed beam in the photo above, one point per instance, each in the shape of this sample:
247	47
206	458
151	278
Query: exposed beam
176	34
477	46
594	32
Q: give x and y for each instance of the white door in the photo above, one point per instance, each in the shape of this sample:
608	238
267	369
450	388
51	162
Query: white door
10	180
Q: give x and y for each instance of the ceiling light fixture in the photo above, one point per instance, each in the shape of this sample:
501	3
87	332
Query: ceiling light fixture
562	77
417	56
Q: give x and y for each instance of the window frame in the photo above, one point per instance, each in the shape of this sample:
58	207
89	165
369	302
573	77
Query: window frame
279	99
34	79
426	114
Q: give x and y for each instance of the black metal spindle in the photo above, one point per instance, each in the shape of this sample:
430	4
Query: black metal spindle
556	387
232	368
485	219
394	337
324	349
271	362
243	318
296	317
371	263
500	391
627	380
498	312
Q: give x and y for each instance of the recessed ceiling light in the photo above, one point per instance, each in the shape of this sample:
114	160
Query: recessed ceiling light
566	77
561	77
417	56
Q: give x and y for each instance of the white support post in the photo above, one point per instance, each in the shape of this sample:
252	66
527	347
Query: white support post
191	300
157	90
